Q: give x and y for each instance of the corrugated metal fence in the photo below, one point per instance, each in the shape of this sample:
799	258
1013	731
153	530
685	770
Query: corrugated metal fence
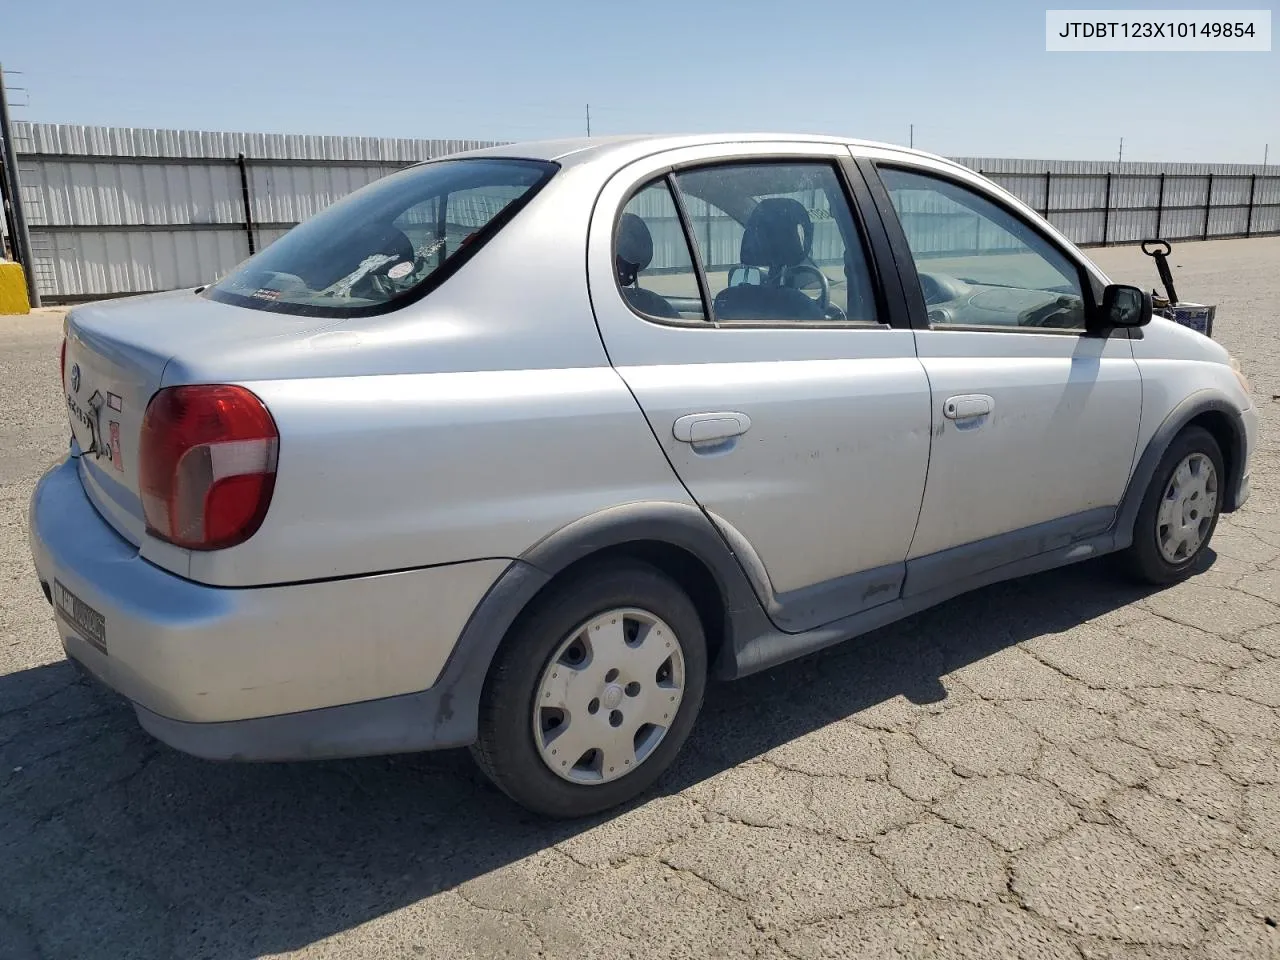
1096	202
126	210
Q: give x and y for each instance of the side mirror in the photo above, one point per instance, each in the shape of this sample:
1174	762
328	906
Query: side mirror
1122	306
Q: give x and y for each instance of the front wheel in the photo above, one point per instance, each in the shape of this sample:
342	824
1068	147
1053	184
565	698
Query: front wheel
594	692
1179	511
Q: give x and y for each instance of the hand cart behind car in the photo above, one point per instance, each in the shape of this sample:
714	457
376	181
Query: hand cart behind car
1197	316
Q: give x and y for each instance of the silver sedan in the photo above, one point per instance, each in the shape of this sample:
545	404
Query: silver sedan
515	449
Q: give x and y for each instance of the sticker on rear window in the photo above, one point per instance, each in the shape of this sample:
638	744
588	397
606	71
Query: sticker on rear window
266	294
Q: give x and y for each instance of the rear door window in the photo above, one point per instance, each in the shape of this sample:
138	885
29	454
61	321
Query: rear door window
651	257
388	243
778	242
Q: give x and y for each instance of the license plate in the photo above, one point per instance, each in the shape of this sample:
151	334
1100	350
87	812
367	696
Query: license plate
91	625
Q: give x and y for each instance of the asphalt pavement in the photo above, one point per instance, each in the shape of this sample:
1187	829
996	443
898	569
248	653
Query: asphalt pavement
1060	766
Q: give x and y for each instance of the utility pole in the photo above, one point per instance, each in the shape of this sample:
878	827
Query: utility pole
588	119
6	208
1120	159
13	199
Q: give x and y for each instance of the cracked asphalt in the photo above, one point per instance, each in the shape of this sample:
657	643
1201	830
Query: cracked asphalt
1061	766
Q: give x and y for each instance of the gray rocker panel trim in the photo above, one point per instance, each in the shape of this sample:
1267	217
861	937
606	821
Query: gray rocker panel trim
930	573
808	608
813	606
771	648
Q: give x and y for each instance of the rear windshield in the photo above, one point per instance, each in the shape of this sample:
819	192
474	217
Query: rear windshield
388	243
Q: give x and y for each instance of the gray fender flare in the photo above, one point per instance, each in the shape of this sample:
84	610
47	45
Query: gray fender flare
681	525
1201	402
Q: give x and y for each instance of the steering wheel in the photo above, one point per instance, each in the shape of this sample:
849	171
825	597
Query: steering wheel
1052	314
388	279
824	295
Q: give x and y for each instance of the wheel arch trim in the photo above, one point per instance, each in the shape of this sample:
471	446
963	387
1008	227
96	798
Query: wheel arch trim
733	567
1190	408
680	525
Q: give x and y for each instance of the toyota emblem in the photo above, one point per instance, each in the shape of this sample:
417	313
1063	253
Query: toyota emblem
75	378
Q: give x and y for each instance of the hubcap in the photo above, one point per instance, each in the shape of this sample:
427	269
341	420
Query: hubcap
1187	510
608	696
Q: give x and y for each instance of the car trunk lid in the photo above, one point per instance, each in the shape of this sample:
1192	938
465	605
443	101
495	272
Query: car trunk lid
108	380
116	356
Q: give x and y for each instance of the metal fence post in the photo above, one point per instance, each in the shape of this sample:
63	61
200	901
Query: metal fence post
1253	192
1208	205
1106	210
248	203
1048	186
707	223
1160	205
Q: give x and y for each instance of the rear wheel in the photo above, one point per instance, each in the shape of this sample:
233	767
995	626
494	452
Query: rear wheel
1179	511
594	692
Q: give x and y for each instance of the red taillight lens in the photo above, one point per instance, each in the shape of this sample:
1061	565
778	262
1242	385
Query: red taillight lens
206	465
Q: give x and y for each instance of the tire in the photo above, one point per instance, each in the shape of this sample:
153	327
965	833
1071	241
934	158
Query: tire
514	744
1145	559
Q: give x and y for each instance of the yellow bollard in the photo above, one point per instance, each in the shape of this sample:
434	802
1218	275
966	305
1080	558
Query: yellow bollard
13	288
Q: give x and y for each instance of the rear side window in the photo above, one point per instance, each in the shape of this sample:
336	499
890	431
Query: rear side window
778	243
651	256
387	244
766	242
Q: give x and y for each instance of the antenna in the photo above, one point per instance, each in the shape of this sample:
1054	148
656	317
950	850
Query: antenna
1120	159
912	142
588	119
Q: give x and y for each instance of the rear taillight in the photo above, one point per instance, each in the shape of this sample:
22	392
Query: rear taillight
206	465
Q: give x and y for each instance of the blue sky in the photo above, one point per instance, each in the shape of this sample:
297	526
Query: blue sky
973	78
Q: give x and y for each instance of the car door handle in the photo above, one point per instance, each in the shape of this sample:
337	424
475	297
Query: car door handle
707	427
967	407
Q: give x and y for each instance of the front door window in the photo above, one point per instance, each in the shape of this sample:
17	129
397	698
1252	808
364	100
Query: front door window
978	264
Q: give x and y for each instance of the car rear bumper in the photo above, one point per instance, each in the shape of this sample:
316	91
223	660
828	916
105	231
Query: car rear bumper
343	667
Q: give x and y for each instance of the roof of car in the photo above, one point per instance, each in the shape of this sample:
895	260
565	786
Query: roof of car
574	150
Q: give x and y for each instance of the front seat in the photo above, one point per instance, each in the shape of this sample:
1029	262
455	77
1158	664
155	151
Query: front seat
633	251
779	234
